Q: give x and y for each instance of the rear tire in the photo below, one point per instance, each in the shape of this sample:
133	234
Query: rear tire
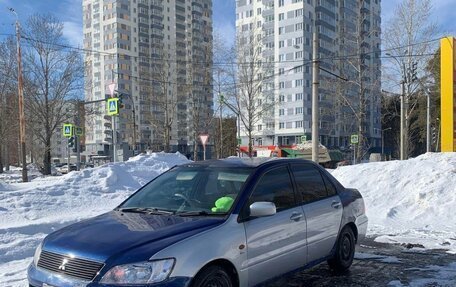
345	251
213	276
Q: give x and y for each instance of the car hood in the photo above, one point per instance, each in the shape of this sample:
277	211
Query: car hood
118	234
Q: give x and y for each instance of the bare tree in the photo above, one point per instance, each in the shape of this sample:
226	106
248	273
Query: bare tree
54	74
165	99
8	104
253	99
412	29
199	90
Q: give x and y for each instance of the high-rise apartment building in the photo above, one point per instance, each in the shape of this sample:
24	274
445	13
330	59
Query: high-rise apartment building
159	55
285	28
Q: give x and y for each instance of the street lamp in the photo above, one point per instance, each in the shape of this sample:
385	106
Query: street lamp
403	81
383	151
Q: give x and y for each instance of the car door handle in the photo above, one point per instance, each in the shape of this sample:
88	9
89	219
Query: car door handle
336	205
296	216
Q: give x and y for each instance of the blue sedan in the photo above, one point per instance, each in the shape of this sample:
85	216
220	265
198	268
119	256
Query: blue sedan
232	222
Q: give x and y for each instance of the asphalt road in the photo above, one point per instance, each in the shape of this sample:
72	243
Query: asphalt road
379	264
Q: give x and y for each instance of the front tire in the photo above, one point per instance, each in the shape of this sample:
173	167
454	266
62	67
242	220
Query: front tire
345	251
213	276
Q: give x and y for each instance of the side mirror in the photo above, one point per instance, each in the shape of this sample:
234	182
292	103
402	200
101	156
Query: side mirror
262	209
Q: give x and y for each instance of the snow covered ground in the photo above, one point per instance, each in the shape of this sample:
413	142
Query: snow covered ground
30	211
407	202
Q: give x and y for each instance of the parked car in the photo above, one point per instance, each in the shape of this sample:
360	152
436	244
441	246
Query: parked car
224	223
64	168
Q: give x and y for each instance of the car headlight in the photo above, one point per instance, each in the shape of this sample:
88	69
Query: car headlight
36	257
139	273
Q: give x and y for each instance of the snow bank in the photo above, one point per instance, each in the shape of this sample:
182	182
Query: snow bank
14	175
409	201
30	211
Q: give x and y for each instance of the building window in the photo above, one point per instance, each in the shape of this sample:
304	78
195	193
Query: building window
281	126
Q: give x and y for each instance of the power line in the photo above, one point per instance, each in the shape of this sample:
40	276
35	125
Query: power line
234	63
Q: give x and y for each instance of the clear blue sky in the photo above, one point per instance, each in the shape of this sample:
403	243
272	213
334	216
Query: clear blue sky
69	11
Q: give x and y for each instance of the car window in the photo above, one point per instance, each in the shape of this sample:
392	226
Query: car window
309	182
330	189
275	186
186	189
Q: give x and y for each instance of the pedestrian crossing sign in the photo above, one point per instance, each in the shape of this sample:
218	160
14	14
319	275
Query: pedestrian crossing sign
113	106
68	130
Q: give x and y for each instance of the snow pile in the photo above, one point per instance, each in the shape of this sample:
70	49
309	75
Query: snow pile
308	145
14	175
409	201
4	186
30	211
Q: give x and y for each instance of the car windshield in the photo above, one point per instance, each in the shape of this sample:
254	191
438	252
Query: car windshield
190	191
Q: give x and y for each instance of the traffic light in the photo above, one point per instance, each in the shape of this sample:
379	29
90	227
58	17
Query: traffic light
75	147
434	135
70	142
120	102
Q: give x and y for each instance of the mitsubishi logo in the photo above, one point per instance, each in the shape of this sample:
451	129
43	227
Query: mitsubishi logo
62	266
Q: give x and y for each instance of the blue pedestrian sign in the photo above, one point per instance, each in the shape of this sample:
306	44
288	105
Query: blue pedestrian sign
67	130
113	106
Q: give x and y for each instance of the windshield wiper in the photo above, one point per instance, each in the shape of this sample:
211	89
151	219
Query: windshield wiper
148	210
198	213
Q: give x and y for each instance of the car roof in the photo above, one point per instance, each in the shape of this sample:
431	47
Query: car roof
244	162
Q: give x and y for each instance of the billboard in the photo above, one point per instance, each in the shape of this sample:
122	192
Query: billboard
448	98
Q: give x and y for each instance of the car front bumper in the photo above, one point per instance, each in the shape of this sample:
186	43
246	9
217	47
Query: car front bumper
38	277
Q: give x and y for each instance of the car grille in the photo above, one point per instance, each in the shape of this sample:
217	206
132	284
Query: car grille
74	267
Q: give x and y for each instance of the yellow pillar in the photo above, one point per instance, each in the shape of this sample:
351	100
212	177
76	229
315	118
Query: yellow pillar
448	102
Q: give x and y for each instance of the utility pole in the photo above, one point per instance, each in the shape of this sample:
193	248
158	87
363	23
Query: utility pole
403	123
402	139
428	123
315	103
21	100
221	128
77	142
68	156
114	139
77	139
303	71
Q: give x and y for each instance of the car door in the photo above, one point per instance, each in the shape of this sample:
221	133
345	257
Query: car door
275	244
322	208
